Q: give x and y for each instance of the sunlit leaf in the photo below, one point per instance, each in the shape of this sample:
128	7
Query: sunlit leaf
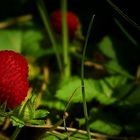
26	112
50	137
72	88
37	122
77	136
57	104
11	40
101	90
40	113
31	42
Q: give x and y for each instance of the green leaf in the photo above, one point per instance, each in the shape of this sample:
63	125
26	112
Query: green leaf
115	50
55	103
72	86
16	121
105	88
124	91
31	42
2	119
104	122
40	113
78	136
27	112
113	67
101	90
106	47
134	97
37	122
10	40
72	136
50	137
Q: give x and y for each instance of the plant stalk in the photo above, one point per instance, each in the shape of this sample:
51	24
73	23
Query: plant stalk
82	80
44	15
65	42
15	134
126	33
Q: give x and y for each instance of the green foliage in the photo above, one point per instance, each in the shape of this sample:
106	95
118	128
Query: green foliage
50	137
27	114
17	122
55	104
31	42
107	48
105	122
113	99
133	98
11	40
101	90
72	136
25	41
114	51
41	113
72	87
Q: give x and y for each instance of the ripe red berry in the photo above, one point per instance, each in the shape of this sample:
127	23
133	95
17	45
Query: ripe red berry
72	22
13	78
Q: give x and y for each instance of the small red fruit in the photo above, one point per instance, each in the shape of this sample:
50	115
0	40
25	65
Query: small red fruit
13	78
72	22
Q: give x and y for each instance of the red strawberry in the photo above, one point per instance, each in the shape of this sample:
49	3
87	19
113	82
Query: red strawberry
13	78
72	21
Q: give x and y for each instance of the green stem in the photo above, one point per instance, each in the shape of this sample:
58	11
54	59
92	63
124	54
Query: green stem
66	57
126	33
20	115
15	134
43	13
82	80
128	19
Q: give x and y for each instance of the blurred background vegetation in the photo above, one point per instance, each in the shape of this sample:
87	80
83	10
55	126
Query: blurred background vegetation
112	67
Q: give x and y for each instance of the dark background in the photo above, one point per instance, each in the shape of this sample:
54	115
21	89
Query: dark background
104	13
103	23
